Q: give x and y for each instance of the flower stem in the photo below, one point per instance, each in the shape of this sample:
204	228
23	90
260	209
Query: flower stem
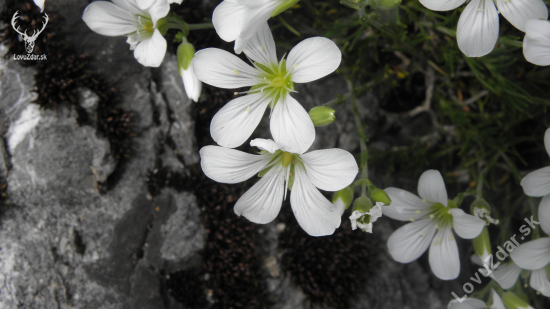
201	26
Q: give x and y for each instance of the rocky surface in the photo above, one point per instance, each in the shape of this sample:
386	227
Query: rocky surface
63	244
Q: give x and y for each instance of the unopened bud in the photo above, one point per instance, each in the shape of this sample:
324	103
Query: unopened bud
186	52
512	301
345	195
283	7
482	244
380	196
322	115
384	5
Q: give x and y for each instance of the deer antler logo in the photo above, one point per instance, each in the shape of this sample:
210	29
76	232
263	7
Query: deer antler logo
29	40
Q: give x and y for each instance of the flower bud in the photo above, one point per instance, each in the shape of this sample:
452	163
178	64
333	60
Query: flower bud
283	7
512	301
322	116
384	5
186	52
345	195
380	196
482	244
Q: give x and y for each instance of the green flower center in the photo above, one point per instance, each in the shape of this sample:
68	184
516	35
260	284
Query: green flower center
149	27
440	214
276	81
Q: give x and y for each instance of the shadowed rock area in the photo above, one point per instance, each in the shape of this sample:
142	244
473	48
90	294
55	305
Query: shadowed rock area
63	244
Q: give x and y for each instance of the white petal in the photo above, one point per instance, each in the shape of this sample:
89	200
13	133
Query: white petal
264	144
477	30
262	203
517	12
506	275
158	10
150	52
253	19
442	5
444	259
544	214
469	303
537	183
330	169
497	301
144	4
227	20
404	205
532	255
40	4
466	226
234	123
431	187
539	281
130	6
109	19
252	3
291	126
221	69
312	59
536	45
192	84
261	47
547	141
228	165
408	242
315	214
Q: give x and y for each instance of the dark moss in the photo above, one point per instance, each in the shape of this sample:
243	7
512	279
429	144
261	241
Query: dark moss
329	270
188	287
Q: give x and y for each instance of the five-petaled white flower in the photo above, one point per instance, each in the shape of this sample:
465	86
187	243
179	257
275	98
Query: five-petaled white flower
329	169
40	4
138	19
239	20
477	30
536	44
271	82
537	184
433	215
473	303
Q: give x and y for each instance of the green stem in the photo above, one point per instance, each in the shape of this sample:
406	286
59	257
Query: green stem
201	26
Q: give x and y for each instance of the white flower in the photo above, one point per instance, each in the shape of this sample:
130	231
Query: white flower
477	30
536	45
239	20
535	256
374	213
473	303
330	170
139	20
430	216
40	4
537	183
271	83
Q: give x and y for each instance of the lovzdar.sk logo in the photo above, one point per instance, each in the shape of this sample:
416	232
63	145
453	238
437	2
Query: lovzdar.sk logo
29	39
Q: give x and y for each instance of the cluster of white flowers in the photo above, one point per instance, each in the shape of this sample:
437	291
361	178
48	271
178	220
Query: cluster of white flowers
282	164
144	23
